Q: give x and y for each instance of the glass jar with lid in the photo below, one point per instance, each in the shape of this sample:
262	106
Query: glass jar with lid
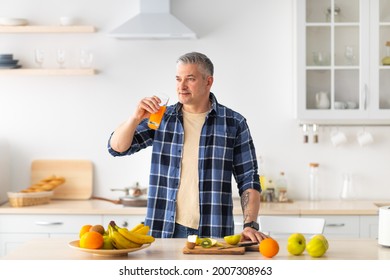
386	59
313	181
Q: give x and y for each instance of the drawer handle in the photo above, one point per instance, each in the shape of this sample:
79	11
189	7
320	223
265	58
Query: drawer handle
335	225
49	223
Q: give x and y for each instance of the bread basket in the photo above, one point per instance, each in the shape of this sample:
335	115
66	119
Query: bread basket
19	199
36	194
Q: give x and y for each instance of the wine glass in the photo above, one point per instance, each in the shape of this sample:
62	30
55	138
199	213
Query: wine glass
349	55
320	58
39	56
86	58
61	57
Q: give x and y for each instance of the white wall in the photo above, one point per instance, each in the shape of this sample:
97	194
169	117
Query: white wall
251	45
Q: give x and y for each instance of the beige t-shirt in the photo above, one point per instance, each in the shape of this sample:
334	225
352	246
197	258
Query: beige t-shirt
187	213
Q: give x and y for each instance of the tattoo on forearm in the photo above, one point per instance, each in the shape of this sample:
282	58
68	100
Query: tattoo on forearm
244	200
244	204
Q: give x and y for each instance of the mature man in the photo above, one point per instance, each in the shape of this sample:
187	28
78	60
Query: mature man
198	147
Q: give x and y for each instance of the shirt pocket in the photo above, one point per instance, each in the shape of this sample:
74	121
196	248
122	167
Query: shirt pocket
222	144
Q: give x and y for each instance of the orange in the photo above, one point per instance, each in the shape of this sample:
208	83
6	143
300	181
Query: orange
84	229
91	240
269	247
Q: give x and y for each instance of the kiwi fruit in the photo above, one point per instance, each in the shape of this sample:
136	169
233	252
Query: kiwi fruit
98	228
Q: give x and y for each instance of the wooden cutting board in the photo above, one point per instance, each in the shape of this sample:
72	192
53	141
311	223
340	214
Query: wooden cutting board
77	173
214	251
253	248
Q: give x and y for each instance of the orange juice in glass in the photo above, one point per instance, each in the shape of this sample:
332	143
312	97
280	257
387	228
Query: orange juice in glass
155	118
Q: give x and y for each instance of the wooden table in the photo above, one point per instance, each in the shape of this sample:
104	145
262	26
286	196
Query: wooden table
171	249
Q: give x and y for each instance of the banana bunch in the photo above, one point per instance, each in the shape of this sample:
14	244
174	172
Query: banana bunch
123	238
46	184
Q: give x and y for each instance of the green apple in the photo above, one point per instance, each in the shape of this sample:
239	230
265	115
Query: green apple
296	244
316	247
323	238
193	238
107	243
191	241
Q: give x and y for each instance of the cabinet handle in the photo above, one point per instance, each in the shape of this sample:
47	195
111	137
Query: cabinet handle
49	223
125	224
335	225
365	96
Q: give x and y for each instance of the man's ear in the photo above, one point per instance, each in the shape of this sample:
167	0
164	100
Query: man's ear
210	80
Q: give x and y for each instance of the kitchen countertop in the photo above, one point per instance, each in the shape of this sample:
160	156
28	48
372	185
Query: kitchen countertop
99	207
171	249
81	207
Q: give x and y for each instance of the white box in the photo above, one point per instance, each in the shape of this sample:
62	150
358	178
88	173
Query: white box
384	226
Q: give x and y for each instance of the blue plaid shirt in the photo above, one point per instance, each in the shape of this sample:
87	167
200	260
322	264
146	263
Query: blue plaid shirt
226	148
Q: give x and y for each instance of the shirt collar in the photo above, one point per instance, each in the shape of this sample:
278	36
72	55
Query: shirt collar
178	106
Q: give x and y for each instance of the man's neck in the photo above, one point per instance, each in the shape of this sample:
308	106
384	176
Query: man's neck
197	109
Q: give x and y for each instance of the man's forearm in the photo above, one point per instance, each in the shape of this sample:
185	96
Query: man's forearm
122	137
250	204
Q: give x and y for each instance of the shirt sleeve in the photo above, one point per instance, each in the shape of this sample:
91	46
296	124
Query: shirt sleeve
143	137
245	168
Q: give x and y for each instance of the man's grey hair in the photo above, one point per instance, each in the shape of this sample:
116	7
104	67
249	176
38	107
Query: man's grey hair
206	66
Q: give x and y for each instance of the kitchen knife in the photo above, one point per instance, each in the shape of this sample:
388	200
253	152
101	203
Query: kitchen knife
243	244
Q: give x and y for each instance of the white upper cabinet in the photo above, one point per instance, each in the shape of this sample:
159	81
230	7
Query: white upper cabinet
340	49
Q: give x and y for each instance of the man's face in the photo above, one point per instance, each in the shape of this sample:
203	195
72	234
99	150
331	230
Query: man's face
192	86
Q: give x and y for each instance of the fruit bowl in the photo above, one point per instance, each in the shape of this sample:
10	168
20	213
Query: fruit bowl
106	252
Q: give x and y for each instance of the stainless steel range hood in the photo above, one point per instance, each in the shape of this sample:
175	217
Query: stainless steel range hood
154	21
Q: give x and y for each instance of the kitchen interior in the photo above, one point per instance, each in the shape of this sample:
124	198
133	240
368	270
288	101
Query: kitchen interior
309	76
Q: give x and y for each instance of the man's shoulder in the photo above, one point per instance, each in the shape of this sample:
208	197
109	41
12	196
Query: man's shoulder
225	111
228	112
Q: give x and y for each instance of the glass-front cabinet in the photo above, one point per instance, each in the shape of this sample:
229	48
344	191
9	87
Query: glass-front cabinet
343	70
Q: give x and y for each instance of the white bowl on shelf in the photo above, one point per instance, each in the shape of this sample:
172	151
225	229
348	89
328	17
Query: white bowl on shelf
13	21
351	105
339	105
66	21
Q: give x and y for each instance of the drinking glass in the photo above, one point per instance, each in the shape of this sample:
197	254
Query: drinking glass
347	190
39	56
155	119
61	57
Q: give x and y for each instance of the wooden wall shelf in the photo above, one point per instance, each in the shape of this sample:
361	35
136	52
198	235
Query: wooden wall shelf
48	29
48	72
